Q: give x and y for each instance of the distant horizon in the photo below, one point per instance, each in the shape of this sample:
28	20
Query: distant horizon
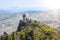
31	9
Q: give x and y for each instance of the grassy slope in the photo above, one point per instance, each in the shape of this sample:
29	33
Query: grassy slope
37	31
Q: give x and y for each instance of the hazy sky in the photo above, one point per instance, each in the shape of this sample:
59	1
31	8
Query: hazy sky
29	4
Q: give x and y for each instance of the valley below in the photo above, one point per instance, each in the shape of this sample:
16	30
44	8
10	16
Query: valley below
10	21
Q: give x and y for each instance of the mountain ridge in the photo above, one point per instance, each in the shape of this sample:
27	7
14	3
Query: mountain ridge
32	30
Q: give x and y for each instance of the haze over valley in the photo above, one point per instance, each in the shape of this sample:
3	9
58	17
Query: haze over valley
10	21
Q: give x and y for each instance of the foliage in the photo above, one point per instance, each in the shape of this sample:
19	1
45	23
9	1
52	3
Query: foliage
36	31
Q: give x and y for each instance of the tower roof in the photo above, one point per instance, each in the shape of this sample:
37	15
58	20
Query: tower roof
24	15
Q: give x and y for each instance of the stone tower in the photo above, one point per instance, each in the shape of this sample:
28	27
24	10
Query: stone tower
24	17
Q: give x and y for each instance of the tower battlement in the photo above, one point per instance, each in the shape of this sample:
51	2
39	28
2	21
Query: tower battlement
24	17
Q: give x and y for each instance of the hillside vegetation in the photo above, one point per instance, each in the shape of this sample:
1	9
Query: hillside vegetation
35	31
